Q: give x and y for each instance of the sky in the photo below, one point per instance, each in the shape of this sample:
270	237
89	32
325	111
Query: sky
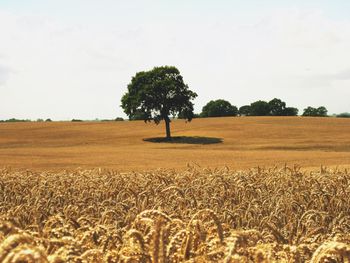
65	59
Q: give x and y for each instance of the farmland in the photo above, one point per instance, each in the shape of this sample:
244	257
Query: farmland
232	191
274	215
247	142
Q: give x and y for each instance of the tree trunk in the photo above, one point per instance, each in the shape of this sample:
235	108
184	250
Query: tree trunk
167	127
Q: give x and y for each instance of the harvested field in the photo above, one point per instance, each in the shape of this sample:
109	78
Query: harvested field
246	142
276	215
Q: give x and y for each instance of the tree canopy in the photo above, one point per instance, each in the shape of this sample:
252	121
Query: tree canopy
158	94
290	111
274	107
315	112
277	107
244	110
219	108
344	115
260	108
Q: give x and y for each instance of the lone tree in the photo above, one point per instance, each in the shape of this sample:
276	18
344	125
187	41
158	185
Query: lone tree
158	94
219	108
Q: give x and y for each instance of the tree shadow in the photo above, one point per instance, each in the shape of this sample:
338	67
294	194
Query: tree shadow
185	140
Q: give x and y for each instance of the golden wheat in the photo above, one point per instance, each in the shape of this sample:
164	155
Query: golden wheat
258	215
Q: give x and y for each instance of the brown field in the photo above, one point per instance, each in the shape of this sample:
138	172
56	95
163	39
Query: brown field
247	142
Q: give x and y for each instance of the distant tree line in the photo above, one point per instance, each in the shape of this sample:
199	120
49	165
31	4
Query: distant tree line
15	120
343	115
221	108
317	112
25	120
275	107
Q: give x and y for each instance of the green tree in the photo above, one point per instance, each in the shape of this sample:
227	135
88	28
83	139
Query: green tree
315	112
219	108
277	107
344	115
260	108
158	94
322	111
290	111
310	111
244	110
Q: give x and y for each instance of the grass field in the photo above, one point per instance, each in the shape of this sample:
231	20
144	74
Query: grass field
247	142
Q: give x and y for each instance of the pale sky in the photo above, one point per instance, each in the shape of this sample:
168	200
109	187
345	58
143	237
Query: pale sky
64	59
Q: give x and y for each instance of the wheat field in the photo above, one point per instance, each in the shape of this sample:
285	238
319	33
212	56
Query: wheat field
206	203
197	215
